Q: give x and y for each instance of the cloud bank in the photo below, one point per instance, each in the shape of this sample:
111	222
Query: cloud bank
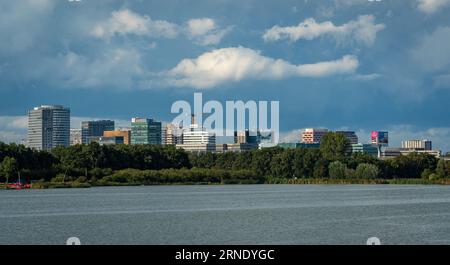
363	31
239	63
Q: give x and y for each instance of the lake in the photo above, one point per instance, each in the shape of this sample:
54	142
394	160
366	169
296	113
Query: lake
228	214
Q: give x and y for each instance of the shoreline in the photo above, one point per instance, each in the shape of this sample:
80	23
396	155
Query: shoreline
53	185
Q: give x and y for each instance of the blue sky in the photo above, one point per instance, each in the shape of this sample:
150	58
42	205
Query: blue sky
342	64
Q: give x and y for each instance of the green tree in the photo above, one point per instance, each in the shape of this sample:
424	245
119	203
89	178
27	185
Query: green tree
337	170
367	171
262	160
281	164
9	167
426	173
320	169
441	169
334	146
412	165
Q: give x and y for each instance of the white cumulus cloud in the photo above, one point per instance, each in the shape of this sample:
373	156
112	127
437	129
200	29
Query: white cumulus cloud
205	31
363	30
124	22
200	26
431	6
239	63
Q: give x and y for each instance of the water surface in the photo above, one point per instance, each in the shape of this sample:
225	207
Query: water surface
230	214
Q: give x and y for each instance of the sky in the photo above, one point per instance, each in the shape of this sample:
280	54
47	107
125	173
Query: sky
341	64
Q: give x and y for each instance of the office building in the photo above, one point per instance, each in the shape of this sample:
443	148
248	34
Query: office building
350	135
48	127
171	135
95	129
104	140
197	135
75	136
417	144
299	145
312	135
125	133
196	139
394	152
248	137
235	147
365	148
145	131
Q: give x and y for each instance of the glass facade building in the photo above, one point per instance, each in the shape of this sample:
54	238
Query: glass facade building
365	148
48	127
95	129
145	131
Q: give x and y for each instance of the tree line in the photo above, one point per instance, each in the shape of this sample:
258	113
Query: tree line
166	164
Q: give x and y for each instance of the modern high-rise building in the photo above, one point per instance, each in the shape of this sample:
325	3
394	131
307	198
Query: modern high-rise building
312	135
48	127
95	129
350	135
75	136
145	131
125	133
417	144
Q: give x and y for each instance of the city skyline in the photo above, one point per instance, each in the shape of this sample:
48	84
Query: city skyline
294	136
369	66
49	122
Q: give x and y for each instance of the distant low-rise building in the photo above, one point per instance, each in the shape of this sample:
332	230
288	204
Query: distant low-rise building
417	144
299	145
313	135
365	148
125	133
350	135
247	136
75	136
235	147
95	129
103	140
394	152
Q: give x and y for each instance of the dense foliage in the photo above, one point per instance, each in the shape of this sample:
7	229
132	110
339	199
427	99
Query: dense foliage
153	164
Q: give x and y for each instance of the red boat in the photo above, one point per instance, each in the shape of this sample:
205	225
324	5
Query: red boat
18	186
